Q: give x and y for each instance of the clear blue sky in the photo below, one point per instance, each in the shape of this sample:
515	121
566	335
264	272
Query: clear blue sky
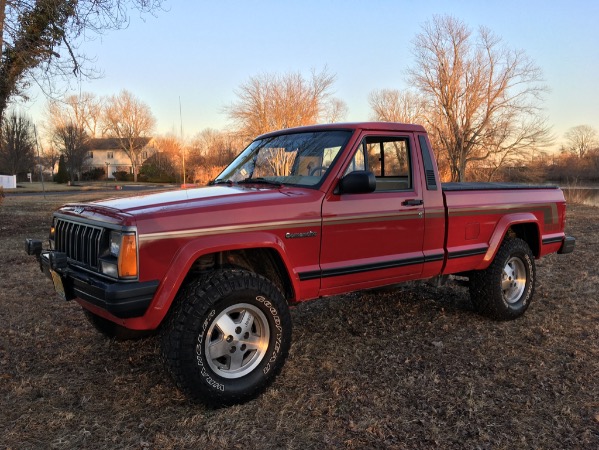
202	51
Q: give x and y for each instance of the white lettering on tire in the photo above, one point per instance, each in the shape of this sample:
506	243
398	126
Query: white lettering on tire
209	380
278	339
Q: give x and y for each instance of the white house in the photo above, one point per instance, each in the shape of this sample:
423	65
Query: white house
108	153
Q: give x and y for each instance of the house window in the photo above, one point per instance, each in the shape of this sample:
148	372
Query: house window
144	155
90	154
109	155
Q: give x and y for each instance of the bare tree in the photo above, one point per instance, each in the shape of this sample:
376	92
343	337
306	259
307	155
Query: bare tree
170	145
72	142
210	151
216	147
484	99
594	157
269	102
131	121
70	123
581	139
40	39
170	148
83	110
391	105
335	111
49	157
17	144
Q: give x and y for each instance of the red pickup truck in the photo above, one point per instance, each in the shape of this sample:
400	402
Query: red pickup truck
300	214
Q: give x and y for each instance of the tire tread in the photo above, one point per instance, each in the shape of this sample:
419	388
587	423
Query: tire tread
485	287
187	313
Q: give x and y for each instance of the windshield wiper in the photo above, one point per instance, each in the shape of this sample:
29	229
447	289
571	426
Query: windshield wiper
221	181
260	180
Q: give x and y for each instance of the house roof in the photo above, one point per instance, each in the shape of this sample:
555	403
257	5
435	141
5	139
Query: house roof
115	143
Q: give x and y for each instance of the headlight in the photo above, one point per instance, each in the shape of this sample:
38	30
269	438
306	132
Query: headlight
115	243
109	268
122	262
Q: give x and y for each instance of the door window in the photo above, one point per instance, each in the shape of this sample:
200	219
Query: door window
388	158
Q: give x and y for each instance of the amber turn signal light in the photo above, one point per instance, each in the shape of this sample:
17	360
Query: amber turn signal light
128	257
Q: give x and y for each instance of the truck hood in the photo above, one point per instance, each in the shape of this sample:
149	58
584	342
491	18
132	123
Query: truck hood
202	207
143	204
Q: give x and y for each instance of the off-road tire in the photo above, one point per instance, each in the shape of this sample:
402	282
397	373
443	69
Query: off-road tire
226	337
113	330
505	289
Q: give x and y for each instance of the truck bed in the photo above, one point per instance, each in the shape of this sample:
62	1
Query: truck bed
477	214
481	186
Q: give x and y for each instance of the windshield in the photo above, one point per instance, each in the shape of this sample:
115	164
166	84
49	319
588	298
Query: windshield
301	159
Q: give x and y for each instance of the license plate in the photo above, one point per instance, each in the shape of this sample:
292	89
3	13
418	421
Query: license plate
58	286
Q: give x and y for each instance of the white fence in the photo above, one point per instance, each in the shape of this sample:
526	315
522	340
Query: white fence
8	181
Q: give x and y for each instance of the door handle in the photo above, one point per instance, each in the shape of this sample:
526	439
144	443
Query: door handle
412	202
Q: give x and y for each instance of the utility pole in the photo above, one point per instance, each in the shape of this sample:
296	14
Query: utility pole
39	160
182	144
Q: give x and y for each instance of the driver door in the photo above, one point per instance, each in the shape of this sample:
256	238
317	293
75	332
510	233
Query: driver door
376	238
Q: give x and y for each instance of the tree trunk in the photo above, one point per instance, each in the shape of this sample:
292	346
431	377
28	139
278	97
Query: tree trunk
462	171
4	89
2	17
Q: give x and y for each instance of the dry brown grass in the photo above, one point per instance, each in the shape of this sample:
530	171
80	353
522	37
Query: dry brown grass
405	368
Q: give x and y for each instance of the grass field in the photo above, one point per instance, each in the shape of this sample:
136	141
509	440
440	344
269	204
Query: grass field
411	367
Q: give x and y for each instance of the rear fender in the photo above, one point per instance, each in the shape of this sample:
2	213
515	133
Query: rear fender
501	229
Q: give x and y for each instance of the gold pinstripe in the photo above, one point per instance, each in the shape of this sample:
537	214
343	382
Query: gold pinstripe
228	229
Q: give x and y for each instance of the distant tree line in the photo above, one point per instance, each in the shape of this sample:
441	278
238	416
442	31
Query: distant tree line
71	124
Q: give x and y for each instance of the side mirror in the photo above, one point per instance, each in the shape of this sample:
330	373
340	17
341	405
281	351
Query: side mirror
357	182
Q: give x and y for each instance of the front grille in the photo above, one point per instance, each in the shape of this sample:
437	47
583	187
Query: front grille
81	242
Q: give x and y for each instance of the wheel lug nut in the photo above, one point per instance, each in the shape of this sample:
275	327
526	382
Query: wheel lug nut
242	348
233	349
246	335
238	330
229	338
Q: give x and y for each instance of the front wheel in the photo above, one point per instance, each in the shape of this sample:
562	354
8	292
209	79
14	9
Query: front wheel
227	338
505	289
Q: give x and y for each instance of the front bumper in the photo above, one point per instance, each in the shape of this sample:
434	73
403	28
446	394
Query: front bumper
123	299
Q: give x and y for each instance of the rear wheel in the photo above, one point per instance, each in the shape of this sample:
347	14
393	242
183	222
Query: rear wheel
227	337
505	289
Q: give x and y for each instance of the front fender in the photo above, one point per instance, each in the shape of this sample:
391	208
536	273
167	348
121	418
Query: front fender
190	252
